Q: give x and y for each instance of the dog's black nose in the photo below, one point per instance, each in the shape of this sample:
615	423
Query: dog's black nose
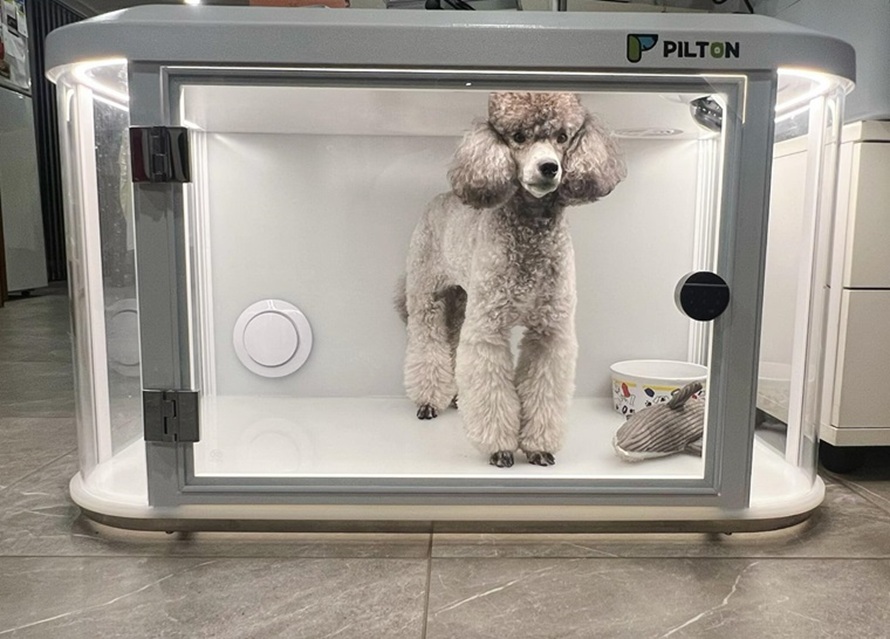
548	169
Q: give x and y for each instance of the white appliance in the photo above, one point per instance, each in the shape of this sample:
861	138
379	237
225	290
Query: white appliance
856	406
20	193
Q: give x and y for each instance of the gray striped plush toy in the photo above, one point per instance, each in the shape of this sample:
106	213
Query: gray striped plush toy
664	429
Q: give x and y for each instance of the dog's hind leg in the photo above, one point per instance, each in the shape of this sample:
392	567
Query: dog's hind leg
400	299
455	310
545	376
429	369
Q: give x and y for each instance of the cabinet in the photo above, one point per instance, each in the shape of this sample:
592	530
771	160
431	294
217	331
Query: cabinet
856	408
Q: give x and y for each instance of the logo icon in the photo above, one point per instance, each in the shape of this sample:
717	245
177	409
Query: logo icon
639	42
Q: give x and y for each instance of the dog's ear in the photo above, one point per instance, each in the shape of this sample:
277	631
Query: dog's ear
483	171
593	165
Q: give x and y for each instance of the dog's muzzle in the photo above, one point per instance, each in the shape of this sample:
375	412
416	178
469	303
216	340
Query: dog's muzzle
541	170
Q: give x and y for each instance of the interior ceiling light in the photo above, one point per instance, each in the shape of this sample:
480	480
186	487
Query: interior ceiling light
647	132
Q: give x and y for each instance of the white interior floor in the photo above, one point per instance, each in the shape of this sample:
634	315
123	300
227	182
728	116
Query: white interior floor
382	437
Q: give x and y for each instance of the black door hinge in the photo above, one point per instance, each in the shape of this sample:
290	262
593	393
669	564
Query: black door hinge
170	415
159	154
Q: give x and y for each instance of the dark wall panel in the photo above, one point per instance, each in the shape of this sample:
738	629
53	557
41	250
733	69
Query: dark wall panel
43	17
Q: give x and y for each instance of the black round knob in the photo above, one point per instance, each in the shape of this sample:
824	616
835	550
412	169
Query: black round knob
703	295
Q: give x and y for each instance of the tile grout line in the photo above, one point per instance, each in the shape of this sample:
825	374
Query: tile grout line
863	492
429	581
761	558
677	557
223	557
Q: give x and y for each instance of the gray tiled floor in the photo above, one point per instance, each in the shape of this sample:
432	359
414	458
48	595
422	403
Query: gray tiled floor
62	576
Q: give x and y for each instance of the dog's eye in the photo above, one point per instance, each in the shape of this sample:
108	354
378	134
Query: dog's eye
519	137
562	137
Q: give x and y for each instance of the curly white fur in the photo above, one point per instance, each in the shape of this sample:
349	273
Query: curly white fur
495	253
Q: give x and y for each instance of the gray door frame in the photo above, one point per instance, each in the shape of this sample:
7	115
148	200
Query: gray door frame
165	323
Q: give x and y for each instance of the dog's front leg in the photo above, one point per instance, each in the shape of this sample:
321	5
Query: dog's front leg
489	404
545	380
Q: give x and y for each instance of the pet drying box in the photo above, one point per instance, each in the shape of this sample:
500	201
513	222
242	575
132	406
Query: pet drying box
241	185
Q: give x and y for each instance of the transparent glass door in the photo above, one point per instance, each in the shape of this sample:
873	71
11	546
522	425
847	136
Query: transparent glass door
307	188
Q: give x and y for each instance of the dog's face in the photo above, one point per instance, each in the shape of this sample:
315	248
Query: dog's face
542	143
538	129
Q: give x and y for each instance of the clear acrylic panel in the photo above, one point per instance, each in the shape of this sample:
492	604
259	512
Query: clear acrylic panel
78	290
94	122
306	197
808	120
116	221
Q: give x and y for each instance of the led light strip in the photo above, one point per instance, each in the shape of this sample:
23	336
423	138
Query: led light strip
820	85
82	75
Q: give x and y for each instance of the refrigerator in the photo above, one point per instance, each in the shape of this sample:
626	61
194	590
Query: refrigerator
20	208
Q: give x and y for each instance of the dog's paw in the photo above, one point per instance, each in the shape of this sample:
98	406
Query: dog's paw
427	412
454	402
501	459
539	458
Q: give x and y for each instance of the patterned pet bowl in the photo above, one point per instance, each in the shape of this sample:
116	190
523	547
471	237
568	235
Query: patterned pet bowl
639	383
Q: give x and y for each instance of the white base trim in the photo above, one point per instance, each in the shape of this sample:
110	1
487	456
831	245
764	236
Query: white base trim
779	492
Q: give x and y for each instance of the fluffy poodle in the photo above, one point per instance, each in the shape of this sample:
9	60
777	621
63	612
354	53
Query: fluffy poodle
495	253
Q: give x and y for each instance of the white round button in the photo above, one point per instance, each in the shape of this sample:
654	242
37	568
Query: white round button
123	337
272	338
122	327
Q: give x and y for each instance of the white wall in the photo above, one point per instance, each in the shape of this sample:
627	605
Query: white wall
784	252
324	222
